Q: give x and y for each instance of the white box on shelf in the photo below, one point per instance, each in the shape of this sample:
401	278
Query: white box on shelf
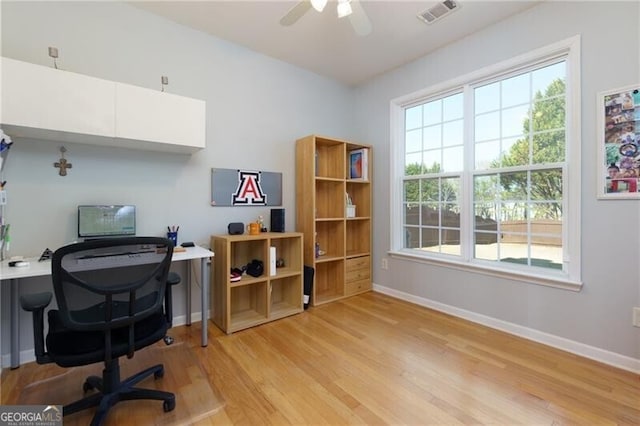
272	261
351	210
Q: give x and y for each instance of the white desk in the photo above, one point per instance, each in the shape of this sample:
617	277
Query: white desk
39	269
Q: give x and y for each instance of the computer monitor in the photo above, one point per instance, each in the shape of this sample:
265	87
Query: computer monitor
106	221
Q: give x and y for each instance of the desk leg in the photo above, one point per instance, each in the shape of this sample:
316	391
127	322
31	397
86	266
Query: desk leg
187	284
204	287
15	324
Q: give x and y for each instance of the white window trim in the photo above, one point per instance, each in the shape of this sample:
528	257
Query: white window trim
571	279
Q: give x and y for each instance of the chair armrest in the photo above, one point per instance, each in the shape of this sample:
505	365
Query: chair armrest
172	279
34	302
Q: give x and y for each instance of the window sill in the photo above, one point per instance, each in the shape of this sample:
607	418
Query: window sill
547	281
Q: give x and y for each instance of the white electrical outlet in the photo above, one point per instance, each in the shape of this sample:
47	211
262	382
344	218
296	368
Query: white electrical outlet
636	317
385	263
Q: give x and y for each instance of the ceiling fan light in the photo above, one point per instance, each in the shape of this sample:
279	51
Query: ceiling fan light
344	8
319	4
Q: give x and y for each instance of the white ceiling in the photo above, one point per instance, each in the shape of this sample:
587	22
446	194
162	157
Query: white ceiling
326	45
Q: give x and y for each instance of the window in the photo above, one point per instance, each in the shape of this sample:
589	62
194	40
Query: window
482	170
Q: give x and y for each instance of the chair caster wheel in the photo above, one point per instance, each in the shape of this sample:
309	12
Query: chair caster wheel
86	387
159	374
169	405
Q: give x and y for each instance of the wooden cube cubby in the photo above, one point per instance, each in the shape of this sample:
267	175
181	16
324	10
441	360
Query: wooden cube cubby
328	281
358	238
285	296
330	237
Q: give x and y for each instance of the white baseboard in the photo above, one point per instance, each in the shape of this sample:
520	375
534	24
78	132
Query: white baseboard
607	357
29	355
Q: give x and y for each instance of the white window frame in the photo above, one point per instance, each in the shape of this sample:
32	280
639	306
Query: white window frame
570	277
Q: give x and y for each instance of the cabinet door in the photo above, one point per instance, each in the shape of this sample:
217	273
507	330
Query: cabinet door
150	115
47	99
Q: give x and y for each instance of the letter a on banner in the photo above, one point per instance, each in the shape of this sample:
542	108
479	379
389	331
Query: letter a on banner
249	191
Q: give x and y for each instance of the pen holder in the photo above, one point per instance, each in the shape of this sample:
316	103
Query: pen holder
173	236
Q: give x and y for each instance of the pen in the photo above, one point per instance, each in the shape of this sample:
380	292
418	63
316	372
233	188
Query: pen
168	229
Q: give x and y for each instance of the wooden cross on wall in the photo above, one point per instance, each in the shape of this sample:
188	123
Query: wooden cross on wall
63	164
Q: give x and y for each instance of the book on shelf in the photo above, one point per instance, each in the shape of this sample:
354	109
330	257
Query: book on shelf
359	164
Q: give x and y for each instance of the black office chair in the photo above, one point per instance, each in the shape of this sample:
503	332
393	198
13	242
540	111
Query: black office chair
110	297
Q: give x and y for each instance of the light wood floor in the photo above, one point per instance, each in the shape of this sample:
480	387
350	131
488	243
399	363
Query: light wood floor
372	359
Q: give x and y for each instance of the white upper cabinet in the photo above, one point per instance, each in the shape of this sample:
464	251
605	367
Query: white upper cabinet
46	103
148	115
42	98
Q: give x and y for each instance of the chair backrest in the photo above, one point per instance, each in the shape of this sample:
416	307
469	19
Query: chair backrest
112	283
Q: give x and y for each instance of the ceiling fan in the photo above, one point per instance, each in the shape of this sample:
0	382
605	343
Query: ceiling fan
351	8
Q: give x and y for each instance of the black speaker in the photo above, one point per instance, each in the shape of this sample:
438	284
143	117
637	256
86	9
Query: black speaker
277	220
236	228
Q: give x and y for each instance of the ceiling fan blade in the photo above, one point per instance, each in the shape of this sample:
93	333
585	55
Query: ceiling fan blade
295	13
359	19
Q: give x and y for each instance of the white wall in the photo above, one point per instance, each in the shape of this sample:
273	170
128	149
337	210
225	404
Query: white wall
256	108
598	316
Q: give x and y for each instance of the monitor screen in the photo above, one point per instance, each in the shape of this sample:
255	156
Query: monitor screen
106	221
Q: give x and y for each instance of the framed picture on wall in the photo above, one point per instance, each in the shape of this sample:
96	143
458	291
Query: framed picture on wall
618	139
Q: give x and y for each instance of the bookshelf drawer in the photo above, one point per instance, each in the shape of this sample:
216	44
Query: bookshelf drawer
357	287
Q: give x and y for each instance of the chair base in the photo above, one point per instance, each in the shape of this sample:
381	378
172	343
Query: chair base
111	391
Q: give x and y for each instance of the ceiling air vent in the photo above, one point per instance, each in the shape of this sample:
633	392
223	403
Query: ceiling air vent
438	11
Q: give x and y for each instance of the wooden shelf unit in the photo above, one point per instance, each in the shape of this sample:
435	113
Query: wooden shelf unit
322	182
256	300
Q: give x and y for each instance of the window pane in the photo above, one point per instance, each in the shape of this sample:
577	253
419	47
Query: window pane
549	114
411	191
486	216
514	186
450	216
413	140
541	79
515	152
432	161
515	121
453	133
487	126
515	90
546	212
430	190
452	160
549	147
487	98
411	214
512	213
432	137
413	117
450	189
432	112
431	215
484	249
487	155
452	107
431	239
413	164
411	237
546	185
485	188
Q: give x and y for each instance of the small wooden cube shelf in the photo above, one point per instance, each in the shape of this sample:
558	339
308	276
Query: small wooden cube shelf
255	300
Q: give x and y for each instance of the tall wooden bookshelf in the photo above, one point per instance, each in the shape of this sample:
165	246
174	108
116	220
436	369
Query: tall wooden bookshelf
336	245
